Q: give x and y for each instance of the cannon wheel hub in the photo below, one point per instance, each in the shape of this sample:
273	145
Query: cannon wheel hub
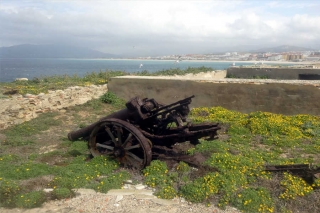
121	140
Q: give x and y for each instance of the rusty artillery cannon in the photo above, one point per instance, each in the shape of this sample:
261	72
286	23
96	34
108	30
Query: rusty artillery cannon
133	135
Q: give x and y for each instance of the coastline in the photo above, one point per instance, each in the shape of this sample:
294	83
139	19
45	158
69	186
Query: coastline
207	61
174	60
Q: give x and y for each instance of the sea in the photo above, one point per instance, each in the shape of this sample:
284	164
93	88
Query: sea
31	68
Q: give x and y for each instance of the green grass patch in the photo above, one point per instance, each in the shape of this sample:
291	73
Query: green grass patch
235	163
22	134
254	140
43	84
111	98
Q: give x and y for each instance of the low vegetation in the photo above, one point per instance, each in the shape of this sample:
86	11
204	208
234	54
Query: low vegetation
37	155
45	83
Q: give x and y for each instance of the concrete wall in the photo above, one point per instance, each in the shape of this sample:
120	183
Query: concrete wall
19	109
272	73
249	96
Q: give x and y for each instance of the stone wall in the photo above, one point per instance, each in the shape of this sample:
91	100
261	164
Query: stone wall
244	95
270	72
19	109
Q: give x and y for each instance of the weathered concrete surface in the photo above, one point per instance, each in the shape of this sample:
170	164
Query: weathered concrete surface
277	96
270	72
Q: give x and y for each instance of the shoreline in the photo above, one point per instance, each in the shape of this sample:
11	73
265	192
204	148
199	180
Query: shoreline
207	61
191	60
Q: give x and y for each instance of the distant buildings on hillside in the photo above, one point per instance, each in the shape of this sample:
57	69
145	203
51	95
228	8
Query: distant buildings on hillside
236	56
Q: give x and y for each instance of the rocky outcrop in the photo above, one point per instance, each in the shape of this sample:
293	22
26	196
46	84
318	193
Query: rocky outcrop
19	109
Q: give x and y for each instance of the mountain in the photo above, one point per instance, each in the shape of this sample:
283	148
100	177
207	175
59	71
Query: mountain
283	48
51	51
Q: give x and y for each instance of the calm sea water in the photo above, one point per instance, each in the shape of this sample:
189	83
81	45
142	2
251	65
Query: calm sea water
31	68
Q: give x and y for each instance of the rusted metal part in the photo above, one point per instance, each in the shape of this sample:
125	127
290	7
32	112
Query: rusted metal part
122	140
305	171
164	153
129	134
86	131
176	135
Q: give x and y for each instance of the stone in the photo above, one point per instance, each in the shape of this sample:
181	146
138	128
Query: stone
48	190
121	192
128	181
82	191
21	79
30	106
128	186
118	198
140	186
144	197
144	192
165	202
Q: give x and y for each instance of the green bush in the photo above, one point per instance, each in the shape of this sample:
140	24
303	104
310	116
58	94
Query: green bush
254	200
61	193
114	181
8	192
111	98
156	174
201	188
166	192
31	199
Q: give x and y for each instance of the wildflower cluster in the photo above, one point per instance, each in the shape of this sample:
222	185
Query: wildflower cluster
166	192
254	200
316	183
245	168
235	172
182	167
262	123
114	181
79	174
201	188
218	114
31	199
156	174
294	186
8	192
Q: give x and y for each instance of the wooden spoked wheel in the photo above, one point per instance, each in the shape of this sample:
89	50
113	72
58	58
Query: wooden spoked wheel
121	140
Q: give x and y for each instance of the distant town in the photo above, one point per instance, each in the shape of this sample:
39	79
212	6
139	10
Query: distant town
301	56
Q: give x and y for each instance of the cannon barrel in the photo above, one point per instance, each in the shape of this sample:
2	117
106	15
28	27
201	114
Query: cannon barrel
86	131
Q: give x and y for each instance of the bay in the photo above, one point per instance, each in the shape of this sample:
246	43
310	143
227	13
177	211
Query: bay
30	68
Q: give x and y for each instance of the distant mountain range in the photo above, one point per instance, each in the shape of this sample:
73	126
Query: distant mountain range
283	48
62	51
51	51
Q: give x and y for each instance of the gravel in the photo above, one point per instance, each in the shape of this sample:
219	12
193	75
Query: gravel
88	201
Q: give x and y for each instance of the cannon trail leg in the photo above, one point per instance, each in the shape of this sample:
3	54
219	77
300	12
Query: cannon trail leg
121	140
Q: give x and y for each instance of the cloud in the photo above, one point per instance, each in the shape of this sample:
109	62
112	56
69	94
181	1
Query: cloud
160	27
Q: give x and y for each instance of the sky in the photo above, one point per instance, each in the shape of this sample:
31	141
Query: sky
166	27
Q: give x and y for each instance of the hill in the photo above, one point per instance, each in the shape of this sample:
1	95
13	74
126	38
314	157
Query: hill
51	51
283	48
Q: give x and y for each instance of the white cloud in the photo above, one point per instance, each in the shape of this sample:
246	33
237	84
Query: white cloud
159	26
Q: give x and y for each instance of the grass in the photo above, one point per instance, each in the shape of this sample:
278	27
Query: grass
43	84
37	155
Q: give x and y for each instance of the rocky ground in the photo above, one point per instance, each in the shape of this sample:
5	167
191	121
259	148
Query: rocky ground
132	199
